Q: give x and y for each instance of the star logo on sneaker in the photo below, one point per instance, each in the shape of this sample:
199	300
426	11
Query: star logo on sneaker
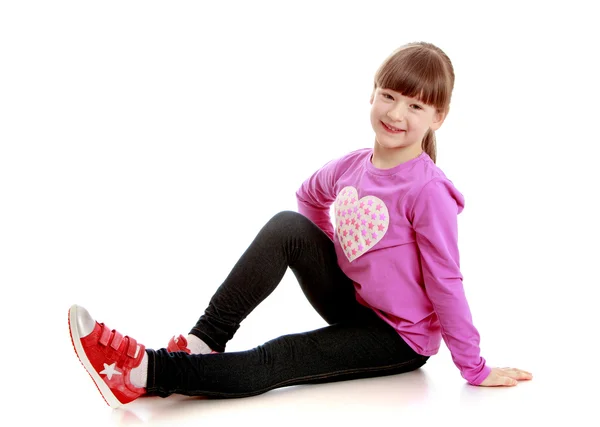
110	370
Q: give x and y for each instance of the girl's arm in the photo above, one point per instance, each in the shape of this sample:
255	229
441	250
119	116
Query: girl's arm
435	222
316	195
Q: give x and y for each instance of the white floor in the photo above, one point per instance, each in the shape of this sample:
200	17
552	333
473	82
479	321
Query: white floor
431	396
564	388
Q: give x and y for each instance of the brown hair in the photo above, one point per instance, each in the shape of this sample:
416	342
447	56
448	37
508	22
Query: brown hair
423	71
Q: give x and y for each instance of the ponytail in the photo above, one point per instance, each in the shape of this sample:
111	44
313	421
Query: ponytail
428	144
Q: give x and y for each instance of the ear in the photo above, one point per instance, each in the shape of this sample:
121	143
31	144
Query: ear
372	97
438	120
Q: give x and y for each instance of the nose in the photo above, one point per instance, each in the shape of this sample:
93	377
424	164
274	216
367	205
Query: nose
397	112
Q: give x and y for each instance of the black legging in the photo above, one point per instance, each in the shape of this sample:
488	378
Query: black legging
357	344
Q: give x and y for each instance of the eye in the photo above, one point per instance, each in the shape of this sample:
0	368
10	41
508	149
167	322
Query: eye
417	107
387	95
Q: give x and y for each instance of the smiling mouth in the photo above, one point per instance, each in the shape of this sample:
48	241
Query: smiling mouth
391	129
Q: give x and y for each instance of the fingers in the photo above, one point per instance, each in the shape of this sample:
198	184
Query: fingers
507	377
502	381
505	381
517	374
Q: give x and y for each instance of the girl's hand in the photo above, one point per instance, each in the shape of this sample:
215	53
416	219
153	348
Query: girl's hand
505	377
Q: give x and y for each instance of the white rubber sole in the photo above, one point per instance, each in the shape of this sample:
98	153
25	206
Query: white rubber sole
105	391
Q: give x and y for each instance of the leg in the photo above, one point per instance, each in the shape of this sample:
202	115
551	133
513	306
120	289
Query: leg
288	240
366	347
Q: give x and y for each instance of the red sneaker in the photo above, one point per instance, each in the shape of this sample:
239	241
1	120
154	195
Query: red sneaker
107	355
180	344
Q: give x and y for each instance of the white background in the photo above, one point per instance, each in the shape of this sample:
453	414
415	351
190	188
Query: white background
144	144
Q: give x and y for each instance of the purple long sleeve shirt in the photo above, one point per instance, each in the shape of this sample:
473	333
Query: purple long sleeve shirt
396	237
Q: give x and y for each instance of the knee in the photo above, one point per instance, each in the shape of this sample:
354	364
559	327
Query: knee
287	216
288	221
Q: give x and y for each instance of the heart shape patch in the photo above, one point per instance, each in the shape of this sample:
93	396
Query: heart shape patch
360	223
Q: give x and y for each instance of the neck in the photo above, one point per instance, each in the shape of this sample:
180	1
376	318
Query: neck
387	158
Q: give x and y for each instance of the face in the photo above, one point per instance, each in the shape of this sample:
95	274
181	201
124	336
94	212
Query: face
408	118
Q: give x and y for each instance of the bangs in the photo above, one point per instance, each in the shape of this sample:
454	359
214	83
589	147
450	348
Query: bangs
418	73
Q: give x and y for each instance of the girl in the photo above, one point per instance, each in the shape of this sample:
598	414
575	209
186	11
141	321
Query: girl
386	279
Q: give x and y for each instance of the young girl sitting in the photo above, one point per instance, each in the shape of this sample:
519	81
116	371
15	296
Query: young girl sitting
386	279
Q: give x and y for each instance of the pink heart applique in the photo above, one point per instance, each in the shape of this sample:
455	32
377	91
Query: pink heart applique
360	224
